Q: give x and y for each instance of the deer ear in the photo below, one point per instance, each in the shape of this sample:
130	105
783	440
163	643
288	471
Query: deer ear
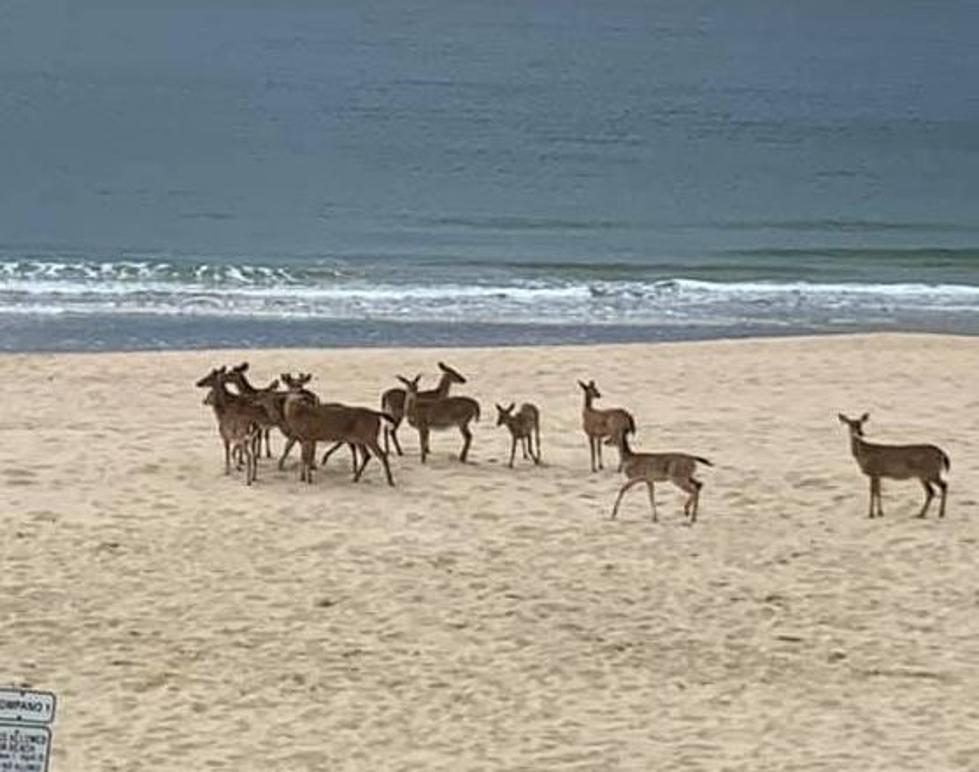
498	407
592	383
404	380
241	368
274	384
221	370
864	417
443	367
510	408
581	383
842	418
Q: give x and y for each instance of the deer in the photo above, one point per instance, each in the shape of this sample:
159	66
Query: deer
393	401
897	462
603	424
524	425
310	423
438	413
239	423
274	405
236	375
651	468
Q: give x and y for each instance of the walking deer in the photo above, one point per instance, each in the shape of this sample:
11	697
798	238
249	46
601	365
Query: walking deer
393	402
897	462
603	424
356	426
651	468
524	425
438	413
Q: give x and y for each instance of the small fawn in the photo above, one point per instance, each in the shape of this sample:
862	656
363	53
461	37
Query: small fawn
524	425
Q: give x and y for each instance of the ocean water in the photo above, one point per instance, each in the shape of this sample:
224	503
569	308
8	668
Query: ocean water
237	172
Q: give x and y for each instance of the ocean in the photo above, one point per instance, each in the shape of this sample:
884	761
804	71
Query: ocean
299	173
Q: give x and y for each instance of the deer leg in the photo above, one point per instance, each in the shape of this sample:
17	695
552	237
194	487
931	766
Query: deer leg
307	461
598	448
591	451
326	456
227	456
873	493
394	438
423	442
467	441
513	448
290	441
944	488
692	487
523	447
384	460
537	435
651	486
929	495
880	499
696	499
367	457
622	490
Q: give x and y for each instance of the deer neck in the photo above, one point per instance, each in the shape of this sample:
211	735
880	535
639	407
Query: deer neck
442	390
857	446
221	398
624	447
588	402
246	386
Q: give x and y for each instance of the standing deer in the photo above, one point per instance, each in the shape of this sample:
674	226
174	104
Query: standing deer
603	424
897	462
438	413
651	468
524	425
236	375
239	423
393	402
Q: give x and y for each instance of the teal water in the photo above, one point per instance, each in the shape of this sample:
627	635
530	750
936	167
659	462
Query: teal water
649	167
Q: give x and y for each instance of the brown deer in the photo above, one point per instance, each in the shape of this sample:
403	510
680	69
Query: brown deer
274	404
239	423
524	425
438	413
897	462
357	426
603	424
236	376
651	468
393	401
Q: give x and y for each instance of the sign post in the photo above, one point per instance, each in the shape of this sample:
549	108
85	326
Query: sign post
25	737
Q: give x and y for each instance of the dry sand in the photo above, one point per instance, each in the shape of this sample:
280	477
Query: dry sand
476	617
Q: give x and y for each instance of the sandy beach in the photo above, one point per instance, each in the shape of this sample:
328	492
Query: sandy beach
477	617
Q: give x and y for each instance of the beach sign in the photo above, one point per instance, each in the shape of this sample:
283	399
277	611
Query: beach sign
25	738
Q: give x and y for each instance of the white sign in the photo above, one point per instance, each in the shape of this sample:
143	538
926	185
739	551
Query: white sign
29	706
24	747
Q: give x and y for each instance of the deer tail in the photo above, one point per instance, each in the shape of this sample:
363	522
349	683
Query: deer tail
946	461
703	460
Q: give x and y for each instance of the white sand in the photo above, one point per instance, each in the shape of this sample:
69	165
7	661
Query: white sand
476	617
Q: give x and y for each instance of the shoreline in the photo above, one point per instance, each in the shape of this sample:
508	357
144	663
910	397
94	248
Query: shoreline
66	334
